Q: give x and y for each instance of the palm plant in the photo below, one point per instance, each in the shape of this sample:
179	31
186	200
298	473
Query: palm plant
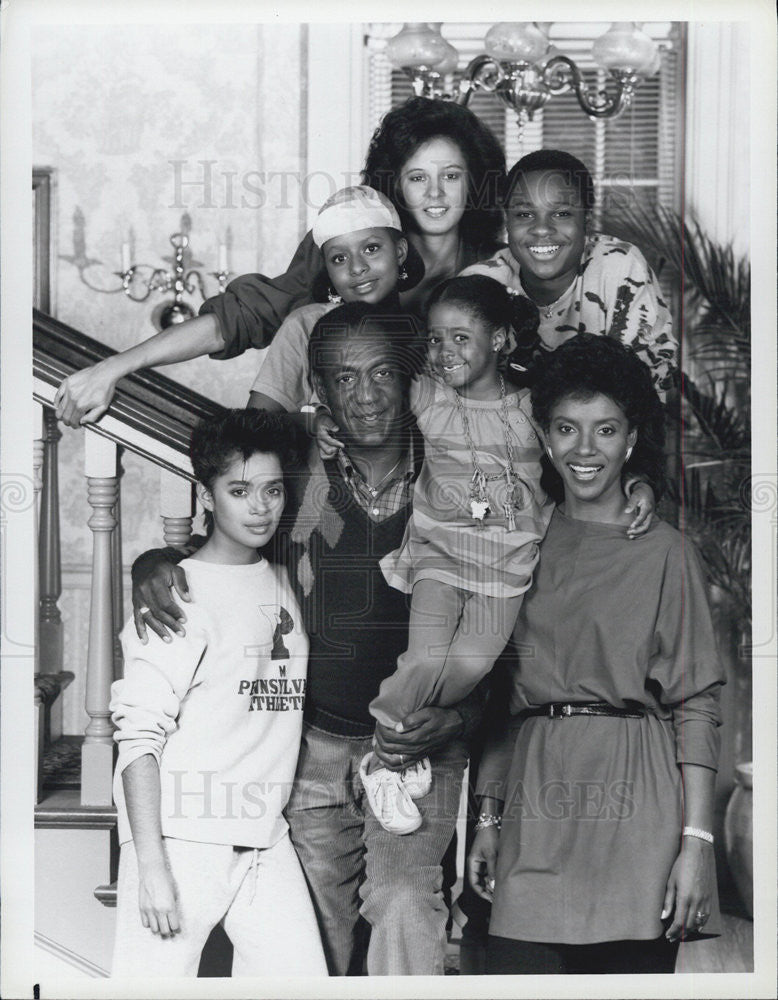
714	292
713	489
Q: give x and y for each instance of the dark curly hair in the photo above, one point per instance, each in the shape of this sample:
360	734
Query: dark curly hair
554	161
418	121
490	301
588	365
217	441
400	330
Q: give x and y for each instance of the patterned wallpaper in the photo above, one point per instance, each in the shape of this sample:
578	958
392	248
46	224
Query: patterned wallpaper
142	124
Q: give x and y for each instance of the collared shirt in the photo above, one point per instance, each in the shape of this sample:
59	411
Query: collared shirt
387	498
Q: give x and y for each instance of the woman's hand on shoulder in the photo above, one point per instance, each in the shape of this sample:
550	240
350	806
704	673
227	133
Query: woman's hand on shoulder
643	503
689	888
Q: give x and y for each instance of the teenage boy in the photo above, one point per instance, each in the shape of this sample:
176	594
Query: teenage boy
208	729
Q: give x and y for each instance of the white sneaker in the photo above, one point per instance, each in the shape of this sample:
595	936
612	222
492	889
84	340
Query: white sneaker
389	799
417	778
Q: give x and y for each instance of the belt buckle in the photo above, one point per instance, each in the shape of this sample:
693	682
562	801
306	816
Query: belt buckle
556	711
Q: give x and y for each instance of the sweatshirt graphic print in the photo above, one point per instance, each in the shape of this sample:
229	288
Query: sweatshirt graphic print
220	709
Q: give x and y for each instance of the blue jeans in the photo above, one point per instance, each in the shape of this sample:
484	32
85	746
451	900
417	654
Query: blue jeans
347	856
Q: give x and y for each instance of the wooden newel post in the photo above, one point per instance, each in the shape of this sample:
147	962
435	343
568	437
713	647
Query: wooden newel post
117	565
49	551
97	751
176	508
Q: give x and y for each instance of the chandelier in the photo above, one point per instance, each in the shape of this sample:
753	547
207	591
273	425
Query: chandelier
523	69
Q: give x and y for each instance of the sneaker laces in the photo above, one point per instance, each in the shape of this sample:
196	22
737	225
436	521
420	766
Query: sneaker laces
391	795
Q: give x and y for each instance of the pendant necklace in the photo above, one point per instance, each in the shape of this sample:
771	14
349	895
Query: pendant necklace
373	490
548	310
478	497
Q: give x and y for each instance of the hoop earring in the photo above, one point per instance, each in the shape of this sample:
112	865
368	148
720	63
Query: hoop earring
403	275
550	455
629	452
333	297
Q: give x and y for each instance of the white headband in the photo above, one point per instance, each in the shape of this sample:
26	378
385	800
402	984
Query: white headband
352	209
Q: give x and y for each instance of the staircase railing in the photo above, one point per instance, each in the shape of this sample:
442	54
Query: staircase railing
152	416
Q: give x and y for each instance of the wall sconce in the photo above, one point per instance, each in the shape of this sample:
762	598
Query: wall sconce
183	278
138	281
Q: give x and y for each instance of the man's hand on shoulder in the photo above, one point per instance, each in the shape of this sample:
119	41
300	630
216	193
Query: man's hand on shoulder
154	578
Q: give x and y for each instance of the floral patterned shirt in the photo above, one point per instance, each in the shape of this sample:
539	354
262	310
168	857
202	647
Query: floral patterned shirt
615	294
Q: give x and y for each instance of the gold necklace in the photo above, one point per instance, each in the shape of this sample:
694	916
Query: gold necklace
478	496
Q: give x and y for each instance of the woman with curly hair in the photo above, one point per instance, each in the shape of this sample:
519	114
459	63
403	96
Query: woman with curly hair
444	170
441	167
593	843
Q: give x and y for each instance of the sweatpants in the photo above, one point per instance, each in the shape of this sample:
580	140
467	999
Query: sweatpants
454	639
259	895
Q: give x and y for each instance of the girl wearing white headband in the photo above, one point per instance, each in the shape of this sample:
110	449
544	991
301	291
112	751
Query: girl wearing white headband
365	260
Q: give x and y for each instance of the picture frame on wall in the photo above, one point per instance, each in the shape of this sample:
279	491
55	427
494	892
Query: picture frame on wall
42	183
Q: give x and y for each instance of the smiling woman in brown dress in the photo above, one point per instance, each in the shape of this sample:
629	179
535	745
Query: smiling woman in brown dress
603	782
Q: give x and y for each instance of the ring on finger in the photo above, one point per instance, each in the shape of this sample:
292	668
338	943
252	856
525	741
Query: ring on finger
701	917
402	761
143	611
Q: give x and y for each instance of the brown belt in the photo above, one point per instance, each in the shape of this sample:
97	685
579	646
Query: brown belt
561	710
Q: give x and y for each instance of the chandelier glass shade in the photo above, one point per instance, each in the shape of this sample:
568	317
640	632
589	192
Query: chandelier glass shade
523	69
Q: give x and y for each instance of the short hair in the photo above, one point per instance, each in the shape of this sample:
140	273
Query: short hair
217	440
418	121
589	365
554	161
489	301
352	319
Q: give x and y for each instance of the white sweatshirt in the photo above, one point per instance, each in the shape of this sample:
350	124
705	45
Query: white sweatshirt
220	709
